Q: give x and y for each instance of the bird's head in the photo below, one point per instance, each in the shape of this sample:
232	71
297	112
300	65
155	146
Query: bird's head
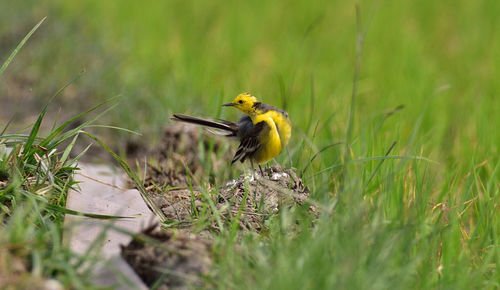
244	102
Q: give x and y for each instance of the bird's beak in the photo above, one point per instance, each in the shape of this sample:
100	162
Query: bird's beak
228	105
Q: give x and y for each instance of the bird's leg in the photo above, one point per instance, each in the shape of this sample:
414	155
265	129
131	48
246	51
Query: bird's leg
261	172
253	168
256	184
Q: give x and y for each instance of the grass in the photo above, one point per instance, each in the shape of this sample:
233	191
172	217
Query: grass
424	216
33	190
36	173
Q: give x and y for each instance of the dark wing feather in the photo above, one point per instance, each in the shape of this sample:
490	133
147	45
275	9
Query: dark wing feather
249	141
245	125
229	128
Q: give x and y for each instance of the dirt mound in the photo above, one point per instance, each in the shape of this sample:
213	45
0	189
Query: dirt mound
177	256
175	259
257	197
182	148
252	198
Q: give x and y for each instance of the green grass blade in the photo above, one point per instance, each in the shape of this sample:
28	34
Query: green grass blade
317	154
374	158
6	126
380	164
34	132
90	215
79	155
19	46
115	128
57	131
68	134
68	150
352	107
36	126
64	210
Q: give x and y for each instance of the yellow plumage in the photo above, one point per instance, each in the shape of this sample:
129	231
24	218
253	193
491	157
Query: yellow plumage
275	140
264	132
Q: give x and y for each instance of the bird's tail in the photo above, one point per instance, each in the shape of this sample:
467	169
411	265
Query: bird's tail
223	128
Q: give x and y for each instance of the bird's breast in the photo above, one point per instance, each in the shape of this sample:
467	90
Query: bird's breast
269	139
283	126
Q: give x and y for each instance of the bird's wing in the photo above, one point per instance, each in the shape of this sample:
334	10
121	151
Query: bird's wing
226	128
250	142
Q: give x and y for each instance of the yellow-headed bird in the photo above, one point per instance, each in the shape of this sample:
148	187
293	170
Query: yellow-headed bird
263	131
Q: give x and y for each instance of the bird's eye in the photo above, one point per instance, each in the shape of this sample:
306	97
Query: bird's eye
240	101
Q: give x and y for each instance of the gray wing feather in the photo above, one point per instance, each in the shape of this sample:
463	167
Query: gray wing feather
249	136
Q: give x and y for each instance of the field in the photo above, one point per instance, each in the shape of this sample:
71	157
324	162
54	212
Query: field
395	108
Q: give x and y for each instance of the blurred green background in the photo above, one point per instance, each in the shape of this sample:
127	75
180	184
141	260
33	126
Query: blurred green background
439	59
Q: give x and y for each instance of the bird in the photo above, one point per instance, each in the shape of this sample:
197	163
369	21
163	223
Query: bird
263	130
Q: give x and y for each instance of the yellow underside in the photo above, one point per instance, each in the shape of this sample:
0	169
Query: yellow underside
275	139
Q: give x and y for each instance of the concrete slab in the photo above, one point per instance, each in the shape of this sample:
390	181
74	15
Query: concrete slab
103	191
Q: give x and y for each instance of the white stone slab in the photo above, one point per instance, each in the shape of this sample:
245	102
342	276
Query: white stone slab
102	191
